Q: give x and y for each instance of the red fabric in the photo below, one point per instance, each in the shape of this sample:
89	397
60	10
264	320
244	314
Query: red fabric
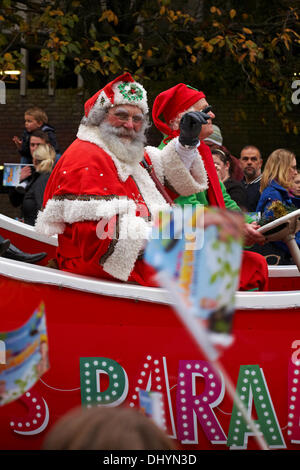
254	272
214	191
171	102
86	169
80	251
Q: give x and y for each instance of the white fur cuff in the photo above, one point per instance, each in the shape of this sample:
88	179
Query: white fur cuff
134	231
184	182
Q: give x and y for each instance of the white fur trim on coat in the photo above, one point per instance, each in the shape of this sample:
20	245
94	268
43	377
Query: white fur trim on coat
184	182
133	233
59	212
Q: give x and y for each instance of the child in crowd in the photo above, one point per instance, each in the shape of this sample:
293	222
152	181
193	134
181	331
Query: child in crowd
295	190
35	119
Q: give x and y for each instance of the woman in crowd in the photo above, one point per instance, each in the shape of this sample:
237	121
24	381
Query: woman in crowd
277	178
30	197
235	189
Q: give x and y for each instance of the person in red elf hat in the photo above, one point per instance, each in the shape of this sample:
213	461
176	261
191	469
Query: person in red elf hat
175	114
100	199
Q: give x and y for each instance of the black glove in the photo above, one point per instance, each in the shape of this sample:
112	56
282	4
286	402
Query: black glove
190	127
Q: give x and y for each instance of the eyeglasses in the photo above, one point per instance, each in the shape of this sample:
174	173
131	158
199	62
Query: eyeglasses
206	109
124	117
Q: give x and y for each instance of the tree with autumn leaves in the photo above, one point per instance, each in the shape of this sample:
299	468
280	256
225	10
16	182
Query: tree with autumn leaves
226	45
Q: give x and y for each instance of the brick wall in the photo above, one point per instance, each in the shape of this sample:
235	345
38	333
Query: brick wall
66	108
64	112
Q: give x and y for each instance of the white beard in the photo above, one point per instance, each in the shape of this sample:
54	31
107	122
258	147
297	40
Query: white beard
126	150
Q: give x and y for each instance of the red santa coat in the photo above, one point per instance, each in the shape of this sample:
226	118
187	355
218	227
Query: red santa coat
101	207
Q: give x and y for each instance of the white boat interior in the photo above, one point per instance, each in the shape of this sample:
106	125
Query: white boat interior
26	230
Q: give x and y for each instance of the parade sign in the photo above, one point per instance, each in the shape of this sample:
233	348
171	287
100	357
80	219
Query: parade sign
198	260
25	359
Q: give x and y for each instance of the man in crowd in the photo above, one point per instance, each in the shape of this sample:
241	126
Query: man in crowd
100	199
170	110
37	137
251	163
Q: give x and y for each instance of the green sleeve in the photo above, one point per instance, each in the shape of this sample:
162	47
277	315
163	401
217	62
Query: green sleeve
192	199
200	198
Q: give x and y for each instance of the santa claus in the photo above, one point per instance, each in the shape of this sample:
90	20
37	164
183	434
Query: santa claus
100	199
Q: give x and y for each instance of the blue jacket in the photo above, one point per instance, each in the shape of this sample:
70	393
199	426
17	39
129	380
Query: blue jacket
275	192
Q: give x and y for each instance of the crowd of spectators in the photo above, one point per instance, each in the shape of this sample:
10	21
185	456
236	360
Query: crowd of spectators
276	179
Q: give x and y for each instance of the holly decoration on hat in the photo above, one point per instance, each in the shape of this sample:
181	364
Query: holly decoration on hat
130	91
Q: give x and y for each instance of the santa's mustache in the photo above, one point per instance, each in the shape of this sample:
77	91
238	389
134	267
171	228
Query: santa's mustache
121	132
137	137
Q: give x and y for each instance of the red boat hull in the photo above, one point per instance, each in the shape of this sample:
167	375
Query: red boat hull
136	330
129	332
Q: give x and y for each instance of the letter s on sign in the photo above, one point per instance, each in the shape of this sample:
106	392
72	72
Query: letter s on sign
295	344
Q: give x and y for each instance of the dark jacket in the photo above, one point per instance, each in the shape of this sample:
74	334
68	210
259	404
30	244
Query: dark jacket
253	193
237	192
25	148
31	201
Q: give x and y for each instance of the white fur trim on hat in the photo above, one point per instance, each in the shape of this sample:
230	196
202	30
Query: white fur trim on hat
125	93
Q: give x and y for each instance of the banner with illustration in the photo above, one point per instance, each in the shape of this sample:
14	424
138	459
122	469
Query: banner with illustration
24	357
197	252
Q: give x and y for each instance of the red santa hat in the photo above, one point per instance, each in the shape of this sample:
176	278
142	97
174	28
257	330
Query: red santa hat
171	102
122	90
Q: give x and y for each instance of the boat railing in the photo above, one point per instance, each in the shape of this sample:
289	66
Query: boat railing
42	275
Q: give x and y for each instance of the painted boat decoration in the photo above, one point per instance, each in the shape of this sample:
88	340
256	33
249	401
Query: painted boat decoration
109	340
